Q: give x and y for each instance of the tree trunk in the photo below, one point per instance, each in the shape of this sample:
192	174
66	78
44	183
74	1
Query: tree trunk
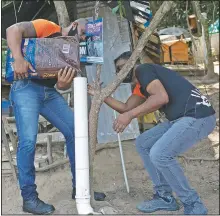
198	23
63	19
100	95
164	8
93	118
62	13
210	66
190	32
93	126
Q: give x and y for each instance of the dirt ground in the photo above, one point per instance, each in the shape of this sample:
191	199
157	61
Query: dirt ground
55	186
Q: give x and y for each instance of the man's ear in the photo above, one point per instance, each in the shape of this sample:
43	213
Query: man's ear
83	37
74	24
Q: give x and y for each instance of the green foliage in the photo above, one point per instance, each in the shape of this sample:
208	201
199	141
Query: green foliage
212	10
3	54
177	16
4	42
3	59
120	9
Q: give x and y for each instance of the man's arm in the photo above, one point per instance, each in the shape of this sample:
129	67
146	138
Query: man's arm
14	35
132	102
158	98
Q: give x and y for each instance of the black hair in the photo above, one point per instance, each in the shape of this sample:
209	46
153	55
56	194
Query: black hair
73	31
126	56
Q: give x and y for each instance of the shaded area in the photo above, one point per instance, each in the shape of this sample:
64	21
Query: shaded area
27	10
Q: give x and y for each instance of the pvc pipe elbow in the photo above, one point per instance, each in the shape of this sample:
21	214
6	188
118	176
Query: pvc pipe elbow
84	208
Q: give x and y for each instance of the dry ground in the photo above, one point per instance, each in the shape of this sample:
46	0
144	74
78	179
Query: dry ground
55	186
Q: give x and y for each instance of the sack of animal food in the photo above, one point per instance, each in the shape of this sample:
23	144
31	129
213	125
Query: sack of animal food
47	56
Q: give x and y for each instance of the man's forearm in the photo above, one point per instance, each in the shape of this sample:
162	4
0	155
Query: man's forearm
14	39
116	105
63	88
152	104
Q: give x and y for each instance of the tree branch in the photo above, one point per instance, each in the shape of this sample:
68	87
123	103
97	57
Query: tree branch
62	13
210	66
190	32
98	67
93	118
164	8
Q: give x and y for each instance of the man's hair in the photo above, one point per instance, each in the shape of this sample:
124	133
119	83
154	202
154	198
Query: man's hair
126	56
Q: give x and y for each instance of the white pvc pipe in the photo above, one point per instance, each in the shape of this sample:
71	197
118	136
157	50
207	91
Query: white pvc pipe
81	146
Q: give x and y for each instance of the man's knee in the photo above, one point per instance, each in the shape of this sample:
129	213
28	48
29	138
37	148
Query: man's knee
138	145
159	158
141	142
27	144
69	133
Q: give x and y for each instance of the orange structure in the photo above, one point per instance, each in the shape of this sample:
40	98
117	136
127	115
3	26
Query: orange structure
175	52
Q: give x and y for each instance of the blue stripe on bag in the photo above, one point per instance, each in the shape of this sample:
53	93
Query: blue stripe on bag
29	51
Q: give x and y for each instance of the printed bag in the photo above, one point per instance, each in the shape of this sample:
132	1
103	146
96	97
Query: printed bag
47	56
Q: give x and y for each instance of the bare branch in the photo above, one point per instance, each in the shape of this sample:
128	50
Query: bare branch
190	32
93	117
20	6
213	15
98	73
16	18
98	67
164	8
210	66
97	3
62	13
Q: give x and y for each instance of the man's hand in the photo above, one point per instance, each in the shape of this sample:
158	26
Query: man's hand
21	67
91	88
65	78
122	122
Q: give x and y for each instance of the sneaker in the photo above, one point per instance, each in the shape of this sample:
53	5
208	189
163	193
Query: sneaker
97	195
167	203
37	207
196	208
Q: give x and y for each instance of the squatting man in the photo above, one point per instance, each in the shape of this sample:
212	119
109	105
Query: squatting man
190	118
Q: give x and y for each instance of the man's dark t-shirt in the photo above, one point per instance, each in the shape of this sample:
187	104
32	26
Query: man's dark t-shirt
184	98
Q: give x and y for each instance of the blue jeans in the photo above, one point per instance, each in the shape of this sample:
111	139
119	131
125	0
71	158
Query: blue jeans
29	100
159	146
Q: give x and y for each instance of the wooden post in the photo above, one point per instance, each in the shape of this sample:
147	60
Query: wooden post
13	139
6	144
49	149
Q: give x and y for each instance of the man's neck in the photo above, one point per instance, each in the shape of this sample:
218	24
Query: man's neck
65	31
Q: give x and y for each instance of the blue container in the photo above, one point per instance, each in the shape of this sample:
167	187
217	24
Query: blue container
7	108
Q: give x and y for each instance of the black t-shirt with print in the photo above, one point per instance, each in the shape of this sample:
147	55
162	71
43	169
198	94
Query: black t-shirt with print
184	98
